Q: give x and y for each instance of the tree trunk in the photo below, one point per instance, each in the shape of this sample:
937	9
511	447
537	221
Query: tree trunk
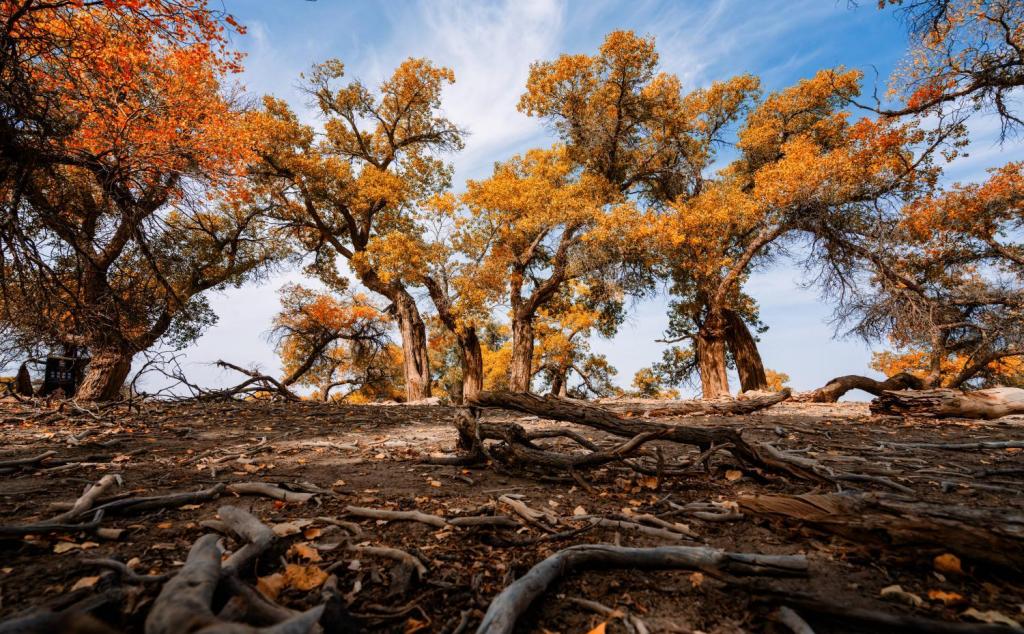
472	363
744	352
714	381
522	354
986	536
415	362
722	407
23	383
558	382
105	374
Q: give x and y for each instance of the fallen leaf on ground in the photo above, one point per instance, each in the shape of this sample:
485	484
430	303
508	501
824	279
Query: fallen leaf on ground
579	510
63	547
948	563
415	625
696	579
85	582
311	533
947	598
270	585
304	577
598	630
733	475
284	529
304	550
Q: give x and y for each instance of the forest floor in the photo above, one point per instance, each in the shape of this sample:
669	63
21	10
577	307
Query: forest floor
371	456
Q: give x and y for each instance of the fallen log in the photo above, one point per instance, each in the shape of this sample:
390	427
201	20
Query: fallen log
513	601
839	386
472	432
710	407
946	403
985	536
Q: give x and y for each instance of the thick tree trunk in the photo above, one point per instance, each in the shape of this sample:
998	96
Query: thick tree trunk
837	387
472	363
415	361
522	354
985	536
945	403
105	374
721	407
23	382
559	384
744	351
714	381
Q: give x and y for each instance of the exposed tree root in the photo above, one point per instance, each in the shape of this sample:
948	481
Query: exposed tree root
183	605
514	600
516	446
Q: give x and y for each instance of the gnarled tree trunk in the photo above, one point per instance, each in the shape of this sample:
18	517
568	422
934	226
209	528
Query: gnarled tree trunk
472	363
522	354
23	382
105	374
744	351
714	380
415	362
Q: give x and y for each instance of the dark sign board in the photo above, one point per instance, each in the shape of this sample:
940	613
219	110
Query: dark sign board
64	373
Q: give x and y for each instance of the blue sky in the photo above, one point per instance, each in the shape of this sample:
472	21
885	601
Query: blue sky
490	47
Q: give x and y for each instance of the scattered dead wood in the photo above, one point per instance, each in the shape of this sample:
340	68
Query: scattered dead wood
8	466
945	403
256	383
411	516
270	491
985	536
835	389
86	501
514	600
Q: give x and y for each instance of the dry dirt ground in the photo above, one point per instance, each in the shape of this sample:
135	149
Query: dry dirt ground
370	456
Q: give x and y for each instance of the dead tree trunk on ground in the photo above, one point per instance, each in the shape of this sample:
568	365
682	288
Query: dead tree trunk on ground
718	407
989	536
947	403
837	387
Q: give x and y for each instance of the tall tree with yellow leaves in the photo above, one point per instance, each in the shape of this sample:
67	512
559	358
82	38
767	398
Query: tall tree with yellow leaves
351	192
534	226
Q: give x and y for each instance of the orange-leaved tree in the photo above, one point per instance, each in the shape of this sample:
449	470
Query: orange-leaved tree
965	56
948	276
122	157
534	226
804	168
351	190
328	340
